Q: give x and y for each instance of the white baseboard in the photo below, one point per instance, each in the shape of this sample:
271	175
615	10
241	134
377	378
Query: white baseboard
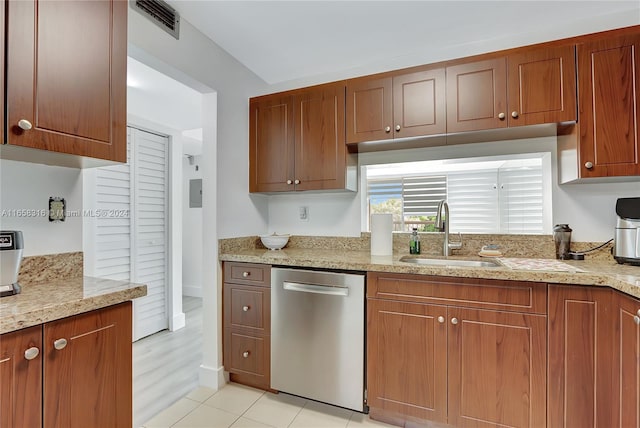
212	377
191	290
177	322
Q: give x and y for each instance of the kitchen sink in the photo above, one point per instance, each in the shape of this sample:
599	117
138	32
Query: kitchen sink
450	262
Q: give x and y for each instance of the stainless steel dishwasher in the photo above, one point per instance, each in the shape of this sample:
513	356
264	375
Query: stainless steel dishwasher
317	335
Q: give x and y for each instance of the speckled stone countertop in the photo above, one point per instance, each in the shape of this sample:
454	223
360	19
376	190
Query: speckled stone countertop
597	272
40	302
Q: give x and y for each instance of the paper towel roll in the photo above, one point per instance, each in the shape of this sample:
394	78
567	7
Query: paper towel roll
381	234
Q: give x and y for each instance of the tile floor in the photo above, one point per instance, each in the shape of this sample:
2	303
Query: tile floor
239	406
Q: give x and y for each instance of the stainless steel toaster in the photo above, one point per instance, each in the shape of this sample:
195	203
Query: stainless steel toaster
627	238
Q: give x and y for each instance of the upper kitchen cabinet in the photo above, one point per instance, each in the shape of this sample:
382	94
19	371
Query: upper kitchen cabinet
542	86
369	109
528	87
66	79
271	146
477	95
402	105
297	142
609	79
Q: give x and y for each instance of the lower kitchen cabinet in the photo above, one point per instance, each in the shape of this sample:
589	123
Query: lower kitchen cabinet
246	311
497	368
580	357
594	358
475	366
407	359
21	378
626	374
91	352
73	372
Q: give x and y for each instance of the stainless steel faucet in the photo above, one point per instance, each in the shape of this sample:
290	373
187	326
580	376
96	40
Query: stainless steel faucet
443	226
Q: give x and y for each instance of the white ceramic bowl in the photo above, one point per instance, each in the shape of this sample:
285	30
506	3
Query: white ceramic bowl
274	242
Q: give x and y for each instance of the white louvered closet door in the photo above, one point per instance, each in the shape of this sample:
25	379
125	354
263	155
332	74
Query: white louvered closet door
134	247
112	252
150	231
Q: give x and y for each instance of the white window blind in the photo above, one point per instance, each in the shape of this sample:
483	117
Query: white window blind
521	200
420	195
383	189
473	201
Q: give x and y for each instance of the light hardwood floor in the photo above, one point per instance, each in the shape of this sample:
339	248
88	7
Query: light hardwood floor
165	364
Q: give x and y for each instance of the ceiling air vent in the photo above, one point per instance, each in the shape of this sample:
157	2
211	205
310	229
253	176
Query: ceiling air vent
161	14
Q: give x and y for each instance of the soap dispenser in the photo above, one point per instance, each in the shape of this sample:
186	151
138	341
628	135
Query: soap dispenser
414	243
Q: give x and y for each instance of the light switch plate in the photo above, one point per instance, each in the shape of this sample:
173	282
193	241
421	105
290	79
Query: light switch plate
303	213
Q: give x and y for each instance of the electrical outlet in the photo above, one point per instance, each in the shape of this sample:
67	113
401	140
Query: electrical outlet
303	213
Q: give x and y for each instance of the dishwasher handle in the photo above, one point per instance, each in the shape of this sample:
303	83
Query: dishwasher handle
317	289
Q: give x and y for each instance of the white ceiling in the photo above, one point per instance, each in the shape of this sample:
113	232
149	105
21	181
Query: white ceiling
155	97
290	40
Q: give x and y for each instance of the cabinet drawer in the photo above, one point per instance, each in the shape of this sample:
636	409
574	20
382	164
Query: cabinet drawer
517	296
247	307
247	273
247	355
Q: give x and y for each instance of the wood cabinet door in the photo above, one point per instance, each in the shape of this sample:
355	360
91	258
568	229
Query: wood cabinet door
66	76
369	109
581	347
542	86
320	150
497	368
627	363
271	146
87	381
609	81
477	95
21	378
407	359
419	103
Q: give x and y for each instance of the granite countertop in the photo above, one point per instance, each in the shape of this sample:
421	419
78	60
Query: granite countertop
40	302
624	278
